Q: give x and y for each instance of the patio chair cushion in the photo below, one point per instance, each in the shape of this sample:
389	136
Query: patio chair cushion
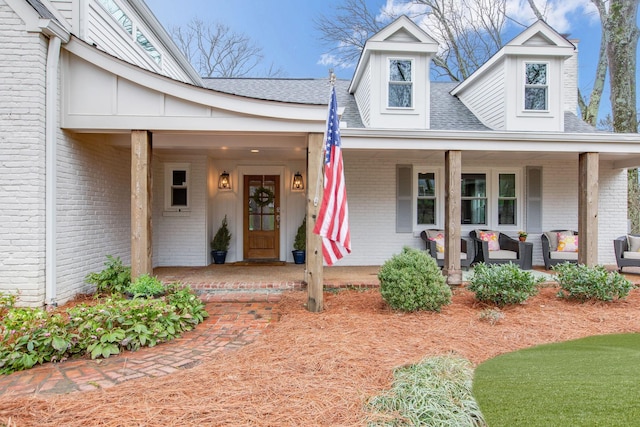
552	236
567	242
502	254
631	255
491	237
569	256
634	243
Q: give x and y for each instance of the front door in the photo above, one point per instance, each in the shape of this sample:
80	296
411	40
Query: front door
261	217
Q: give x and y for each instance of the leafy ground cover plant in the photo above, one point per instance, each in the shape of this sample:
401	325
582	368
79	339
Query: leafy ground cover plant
29	336
114	278
582	283
412	281
434	392
146	286
503	284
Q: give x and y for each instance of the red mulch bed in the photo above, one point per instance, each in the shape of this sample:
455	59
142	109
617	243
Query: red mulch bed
320	369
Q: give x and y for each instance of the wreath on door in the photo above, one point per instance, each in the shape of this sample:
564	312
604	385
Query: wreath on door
262	197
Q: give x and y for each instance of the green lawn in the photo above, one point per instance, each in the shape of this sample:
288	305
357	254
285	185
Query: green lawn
593	381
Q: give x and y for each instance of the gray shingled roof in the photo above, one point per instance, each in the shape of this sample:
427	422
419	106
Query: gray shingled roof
42	10
447	111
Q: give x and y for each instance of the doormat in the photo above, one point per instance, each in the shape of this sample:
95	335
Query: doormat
259	263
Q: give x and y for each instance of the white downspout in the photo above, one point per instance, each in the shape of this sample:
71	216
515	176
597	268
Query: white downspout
51	119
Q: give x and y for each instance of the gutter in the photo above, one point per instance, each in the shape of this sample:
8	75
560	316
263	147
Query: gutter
57	34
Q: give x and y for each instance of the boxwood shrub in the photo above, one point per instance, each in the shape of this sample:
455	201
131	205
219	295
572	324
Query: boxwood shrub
412	281
503	284
582	283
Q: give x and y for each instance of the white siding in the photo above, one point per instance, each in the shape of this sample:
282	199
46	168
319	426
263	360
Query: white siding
66	8
486	99
93	209
363	97
22	159
109	36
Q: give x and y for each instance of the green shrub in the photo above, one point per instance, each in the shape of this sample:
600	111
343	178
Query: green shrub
412	281
146	286
31	335
435	392
503	284
583	283
114	278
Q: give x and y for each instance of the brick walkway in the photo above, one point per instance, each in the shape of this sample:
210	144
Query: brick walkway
228	327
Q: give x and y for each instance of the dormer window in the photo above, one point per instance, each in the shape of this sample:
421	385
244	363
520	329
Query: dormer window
536	87
400	83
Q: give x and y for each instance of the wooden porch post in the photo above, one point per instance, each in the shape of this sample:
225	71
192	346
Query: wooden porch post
452	168
141	249
314	242
588	209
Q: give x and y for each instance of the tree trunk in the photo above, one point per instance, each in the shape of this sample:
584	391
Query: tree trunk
622	35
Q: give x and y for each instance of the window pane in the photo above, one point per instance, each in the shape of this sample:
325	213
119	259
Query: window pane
536	74
426	211
178	197
474	211
474	185
399	70
254	222
507	185
507	212
268	223
179	177
426	184
399	95
535	98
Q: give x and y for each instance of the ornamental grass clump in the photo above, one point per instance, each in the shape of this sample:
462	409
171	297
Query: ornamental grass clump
503	284
583	283
434	392
412	281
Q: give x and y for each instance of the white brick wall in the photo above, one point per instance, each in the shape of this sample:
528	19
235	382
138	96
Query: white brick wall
181	240
93	209
371	189
22	158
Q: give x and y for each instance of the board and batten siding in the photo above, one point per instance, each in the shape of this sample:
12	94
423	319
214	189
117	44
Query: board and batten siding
22	159
486	99
363	96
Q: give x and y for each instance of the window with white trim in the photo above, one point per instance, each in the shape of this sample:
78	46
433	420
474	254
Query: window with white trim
400	94
489	198
176	194
426	204
536	86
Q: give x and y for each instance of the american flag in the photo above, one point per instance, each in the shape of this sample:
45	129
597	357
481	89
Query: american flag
333	218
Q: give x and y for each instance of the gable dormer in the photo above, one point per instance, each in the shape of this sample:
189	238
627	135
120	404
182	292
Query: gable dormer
527	85
391	81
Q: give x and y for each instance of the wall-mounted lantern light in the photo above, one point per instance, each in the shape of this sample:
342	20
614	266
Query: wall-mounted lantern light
224	182
297	184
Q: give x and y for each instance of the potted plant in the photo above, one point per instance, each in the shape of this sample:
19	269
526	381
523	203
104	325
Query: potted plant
522	236
220	243
300	243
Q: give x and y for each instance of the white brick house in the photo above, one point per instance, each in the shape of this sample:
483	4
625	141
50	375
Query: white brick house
96	103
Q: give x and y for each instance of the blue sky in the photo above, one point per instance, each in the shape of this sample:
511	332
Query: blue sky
285	29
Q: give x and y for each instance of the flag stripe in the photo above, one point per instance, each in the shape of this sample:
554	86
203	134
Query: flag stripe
333	216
